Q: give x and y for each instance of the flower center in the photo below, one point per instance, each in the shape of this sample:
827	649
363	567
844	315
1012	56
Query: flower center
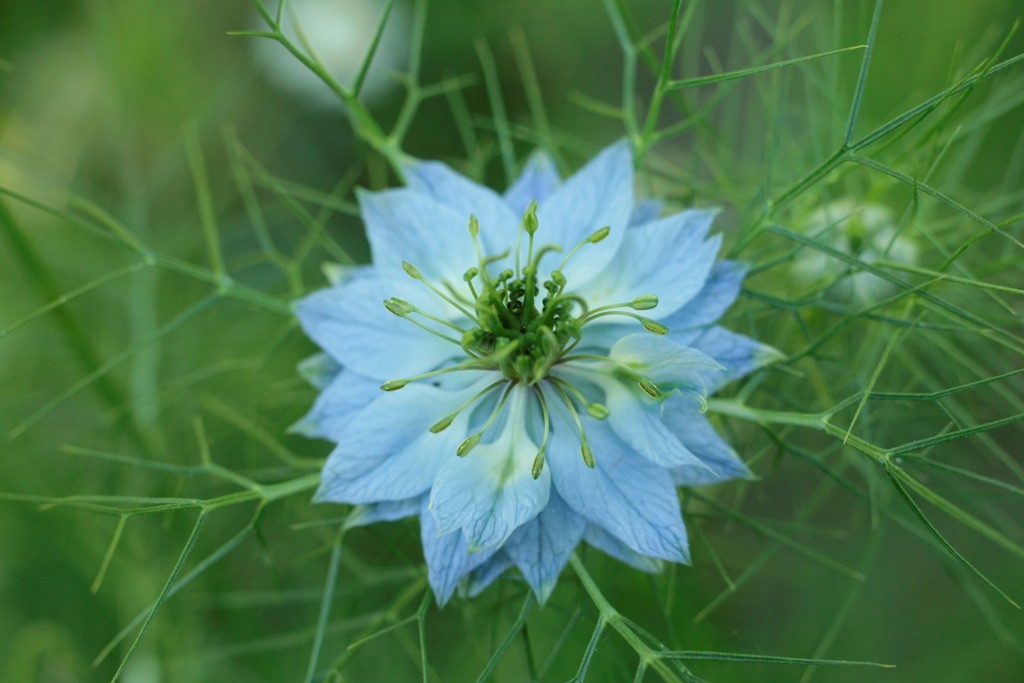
525	332
521	326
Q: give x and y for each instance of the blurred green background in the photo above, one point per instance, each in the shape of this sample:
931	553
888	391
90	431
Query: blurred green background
149	115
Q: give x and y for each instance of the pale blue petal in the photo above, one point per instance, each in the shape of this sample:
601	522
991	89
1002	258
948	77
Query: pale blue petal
636	419
600	336
385	511
598	195
351	324
719	292
448	557
338	273
388	451
346	395
635	416
491	491
624	493
319	370
739	354
542	547
645	211
498	222
488	572
608	544
682	415
537	181
406	225
668	364
669	257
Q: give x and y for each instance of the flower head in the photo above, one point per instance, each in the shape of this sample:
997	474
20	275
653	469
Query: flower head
527	371
863	229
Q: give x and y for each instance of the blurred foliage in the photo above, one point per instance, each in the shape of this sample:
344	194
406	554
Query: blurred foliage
149	118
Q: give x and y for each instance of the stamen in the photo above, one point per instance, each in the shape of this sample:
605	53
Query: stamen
422	326
538	461
415	274
529	225
447	420
398	307
649	325
467	445
644	302
592	238
650	387
588	455
522	328
395	384
474	232
471	441
645	383
540	370
468	278
598	411
403	308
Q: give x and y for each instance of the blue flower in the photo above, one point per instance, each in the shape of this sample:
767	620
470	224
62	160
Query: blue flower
531	382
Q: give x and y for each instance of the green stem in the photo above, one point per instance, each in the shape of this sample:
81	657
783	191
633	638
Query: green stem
745	412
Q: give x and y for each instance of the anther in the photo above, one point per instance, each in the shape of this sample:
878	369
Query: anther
649	387
468	444
644	302
394	384
599	234
442	424
538	465
538	461
397	307
653	326
598	411
530	222
412	270
588	455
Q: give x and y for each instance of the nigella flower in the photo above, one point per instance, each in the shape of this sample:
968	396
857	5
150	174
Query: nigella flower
531	381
